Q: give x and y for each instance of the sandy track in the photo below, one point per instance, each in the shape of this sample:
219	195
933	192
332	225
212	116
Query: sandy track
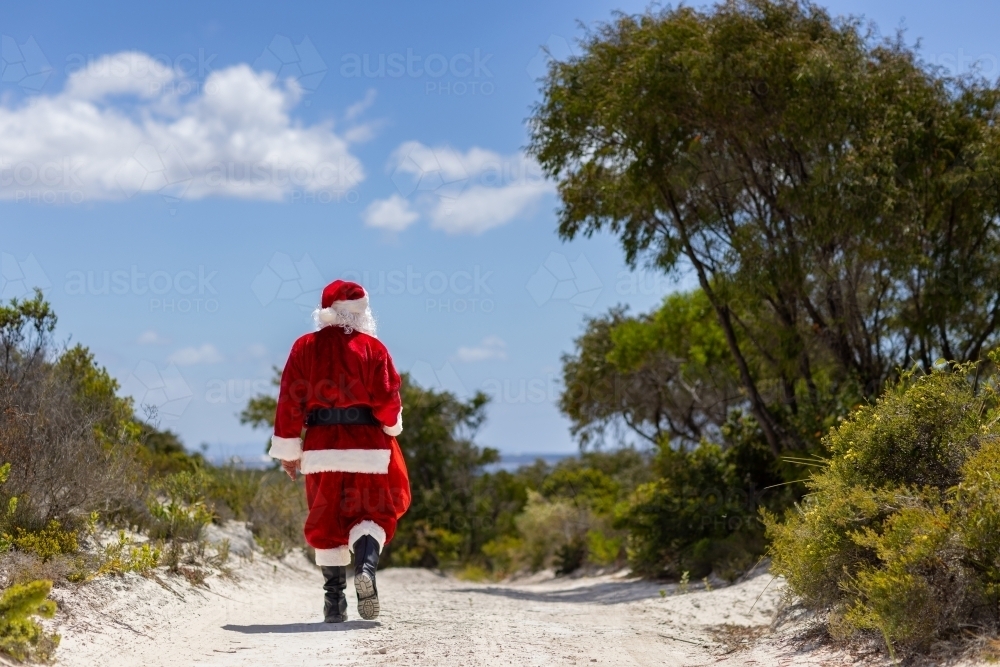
270	614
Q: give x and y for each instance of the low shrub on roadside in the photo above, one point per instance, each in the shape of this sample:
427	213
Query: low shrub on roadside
178	505
277	513
52	540
123	555
21	636
701	513
568	521
899	535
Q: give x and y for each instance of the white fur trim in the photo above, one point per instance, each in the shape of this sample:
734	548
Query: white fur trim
366	527
353	306
286	449
346	460
337	556
397	428
346	316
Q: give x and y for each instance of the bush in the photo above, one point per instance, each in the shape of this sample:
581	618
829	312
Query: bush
700	514
21	637
124	556
277	513
427	546
70	440
900	533
52	540
178	506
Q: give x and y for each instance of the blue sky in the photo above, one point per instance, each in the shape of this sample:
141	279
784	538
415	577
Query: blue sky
183	178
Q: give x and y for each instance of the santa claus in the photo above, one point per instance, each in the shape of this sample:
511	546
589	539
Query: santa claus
338	416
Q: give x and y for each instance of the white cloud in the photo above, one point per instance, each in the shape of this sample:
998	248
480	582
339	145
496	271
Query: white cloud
150	337
361	106
230	135
491	347
192	356
467	193
393	214
127	72
480	208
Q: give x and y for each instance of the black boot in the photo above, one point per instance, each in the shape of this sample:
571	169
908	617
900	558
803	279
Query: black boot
335	601
365	563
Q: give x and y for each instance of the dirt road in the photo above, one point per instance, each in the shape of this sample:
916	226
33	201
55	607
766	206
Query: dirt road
269	614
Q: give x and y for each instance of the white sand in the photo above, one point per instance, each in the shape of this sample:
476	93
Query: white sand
270	614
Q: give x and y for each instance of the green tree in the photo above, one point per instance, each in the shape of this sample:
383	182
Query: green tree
448	519
663	376
260	409
836	200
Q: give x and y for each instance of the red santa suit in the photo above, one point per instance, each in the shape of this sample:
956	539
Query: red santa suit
356	479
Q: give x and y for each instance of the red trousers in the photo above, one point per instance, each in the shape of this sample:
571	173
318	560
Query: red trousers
343	506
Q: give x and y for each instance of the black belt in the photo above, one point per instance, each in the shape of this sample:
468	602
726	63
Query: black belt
329	416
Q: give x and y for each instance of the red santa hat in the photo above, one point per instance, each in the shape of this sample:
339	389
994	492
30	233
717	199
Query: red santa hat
345	303
345	294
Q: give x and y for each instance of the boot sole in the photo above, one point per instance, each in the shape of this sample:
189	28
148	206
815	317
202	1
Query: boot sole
368	607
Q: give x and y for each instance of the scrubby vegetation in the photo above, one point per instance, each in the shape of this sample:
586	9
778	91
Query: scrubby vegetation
89	489
899	534
837	201
21	636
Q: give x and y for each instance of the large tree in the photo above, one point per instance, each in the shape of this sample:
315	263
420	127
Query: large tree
836	199
662	376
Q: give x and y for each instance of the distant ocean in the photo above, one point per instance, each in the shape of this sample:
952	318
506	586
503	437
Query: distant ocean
250	455
511	462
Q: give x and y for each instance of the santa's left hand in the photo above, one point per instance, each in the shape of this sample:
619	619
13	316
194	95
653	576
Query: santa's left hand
291	468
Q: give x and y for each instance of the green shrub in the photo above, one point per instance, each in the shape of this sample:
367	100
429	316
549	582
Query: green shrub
570	556
21	636
232	492
603	549
178	505
277	513
555	532
503	554
899	535
428	546
124	556
52	540
700	515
